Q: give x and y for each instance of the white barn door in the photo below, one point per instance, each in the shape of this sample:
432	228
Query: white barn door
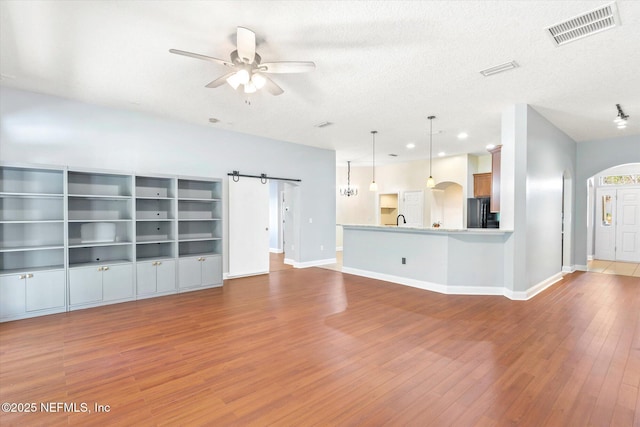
628	226
248	227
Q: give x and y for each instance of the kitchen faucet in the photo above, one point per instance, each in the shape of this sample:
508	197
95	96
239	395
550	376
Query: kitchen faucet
404	221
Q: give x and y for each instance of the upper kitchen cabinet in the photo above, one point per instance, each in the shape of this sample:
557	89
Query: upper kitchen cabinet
482	184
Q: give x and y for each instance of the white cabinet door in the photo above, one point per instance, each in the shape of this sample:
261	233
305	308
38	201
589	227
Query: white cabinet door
12	295
212	270
189	272
166	275
85	285
117	281
45	290
146	278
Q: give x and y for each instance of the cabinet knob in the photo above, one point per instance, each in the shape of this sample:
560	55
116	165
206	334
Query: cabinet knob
22	276
100	268
105	268
29	276
158	263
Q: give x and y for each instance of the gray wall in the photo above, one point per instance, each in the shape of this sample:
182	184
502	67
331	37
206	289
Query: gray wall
43	129
550	153
592	158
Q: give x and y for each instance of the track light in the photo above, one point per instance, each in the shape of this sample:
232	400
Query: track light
621	118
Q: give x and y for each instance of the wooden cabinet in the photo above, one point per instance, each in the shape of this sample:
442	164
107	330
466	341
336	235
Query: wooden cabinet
94	285
200	272
482	184
32	294
495	179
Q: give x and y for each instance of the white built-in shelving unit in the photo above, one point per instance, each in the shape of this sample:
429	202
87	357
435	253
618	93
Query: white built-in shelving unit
199	233
72	239
32	242
156	246
100	238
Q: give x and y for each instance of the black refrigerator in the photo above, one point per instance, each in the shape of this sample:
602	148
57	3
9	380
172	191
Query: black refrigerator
479	214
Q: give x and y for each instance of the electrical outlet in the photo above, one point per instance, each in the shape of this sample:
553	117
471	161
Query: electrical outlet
310	220
322	247
404	260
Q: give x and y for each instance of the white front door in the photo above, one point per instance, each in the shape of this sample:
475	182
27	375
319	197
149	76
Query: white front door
628	225
248	227
605	225
413	208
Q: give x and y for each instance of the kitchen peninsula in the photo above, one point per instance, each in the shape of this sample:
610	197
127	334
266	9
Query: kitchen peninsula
460	261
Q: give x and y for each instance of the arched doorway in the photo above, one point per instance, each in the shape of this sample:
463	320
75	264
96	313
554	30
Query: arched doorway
447	205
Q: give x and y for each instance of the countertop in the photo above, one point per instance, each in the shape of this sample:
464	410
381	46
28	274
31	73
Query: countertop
425	230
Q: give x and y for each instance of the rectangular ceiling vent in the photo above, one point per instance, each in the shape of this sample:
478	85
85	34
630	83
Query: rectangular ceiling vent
586	24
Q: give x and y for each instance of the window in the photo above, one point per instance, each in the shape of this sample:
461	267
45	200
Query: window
633	179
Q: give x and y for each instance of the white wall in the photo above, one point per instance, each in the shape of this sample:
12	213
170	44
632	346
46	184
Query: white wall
43	129
397	178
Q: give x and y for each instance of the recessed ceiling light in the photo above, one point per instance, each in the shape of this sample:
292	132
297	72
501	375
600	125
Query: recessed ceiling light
441	154
462	135
490	147
213	120
411	145
393	155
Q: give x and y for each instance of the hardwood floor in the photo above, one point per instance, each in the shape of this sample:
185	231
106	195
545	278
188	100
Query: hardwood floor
303	347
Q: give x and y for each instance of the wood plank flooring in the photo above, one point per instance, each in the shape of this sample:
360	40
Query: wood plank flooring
305	347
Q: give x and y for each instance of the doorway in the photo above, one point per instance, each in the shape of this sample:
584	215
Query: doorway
617	224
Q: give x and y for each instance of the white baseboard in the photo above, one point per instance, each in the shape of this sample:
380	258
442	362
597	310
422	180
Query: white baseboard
236	276
589	257
276	250
568	268
458	290
338	248
581	267
315	263
289	261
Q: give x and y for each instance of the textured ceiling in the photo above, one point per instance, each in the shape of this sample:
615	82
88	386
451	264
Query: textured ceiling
383	65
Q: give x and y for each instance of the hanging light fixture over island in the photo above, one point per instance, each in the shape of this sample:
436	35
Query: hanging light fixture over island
430	182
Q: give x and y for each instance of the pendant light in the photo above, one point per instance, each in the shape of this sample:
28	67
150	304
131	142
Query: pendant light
430	182
349	190
374	186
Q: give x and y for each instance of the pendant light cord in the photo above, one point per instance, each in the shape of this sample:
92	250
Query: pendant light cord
373	132
430	142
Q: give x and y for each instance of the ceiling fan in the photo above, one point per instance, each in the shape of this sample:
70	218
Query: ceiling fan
248	68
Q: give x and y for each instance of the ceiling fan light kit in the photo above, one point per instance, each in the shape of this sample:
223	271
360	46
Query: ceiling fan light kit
249	70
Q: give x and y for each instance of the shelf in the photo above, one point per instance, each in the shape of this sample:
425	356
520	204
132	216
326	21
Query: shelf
154	198
99	220
149	242
32	195
75	244
31	270
30	248
196	254
199	219
202	239
154	258
155	220
98	196
46	221
197	199
99	263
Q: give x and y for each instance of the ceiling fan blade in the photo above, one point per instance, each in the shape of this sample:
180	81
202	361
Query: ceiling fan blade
272	87
246	44
203	57
287	67
220	80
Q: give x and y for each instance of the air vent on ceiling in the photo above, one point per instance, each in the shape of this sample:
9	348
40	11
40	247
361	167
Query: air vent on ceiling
586	24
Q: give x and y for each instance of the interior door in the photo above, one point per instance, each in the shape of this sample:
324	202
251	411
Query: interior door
605	225
413	208
248	227
628	225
